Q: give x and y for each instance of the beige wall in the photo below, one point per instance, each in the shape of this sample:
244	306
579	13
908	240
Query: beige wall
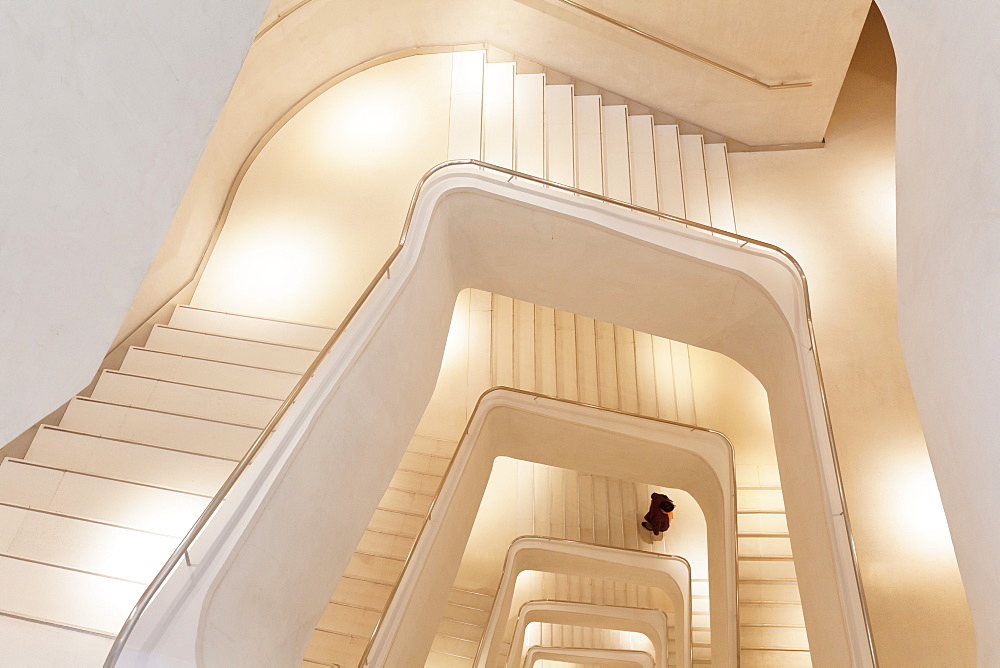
105	110
834	211
949	228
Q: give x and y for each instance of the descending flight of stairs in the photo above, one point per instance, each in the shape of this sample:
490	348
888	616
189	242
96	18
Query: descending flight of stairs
362	594
561	503
99	502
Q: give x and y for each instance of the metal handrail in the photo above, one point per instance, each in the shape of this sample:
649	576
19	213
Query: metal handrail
572	402
615	22
182	549
506	558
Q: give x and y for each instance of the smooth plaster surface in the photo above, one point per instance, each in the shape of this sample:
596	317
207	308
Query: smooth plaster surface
833	209
947	168
106	108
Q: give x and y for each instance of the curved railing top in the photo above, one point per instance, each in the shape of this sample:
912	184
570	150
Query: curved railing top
181	552
611	21
475	414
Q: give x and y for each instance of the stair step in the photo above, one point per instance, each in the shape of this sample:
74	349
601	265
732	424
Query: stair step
178	432
466	614
335	649
401	524
471	599
762	523
769	658
471	632
778	613
774	591
248	327
418	483
33	644
348	620
454	646
432	446
362	593
105	500
439	660
760	500
209	373
81	545
423	463
123	460
770	569
405	501
81	600
387	544
764	546
374	568
162	395
777	637
228	349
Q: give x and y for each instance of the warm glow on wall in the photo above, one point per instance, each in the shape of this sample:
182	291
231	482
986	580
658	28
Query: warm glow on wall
916	517
272	271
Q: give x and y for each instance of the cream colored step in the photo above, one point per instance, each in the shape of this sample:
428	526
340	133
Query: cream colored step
759	500
763	590
178	432
421	463
81	600
761	658
466	614
335	649
470	599
559	134
587	144
432	446
763	546
529	124
777	637
498	114
29	644
348	620
762	523
669	178
373	568
228	349
73	451
438	660
767	568
90	497
615	152
170	397
418	483
398	523
454	646
785	614
720	196
404	501
450	627
695	183
386	544
642	161
354	591
208	373
246	327
82	545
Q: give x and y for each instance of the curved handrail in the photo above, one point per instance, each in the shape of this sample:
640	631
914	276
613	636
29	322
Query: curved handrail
675	557
572	402
615	22
520	630
182	549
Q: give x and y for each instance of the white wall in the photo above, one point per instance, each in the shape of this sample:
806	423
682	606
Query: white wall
105	110
948	233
